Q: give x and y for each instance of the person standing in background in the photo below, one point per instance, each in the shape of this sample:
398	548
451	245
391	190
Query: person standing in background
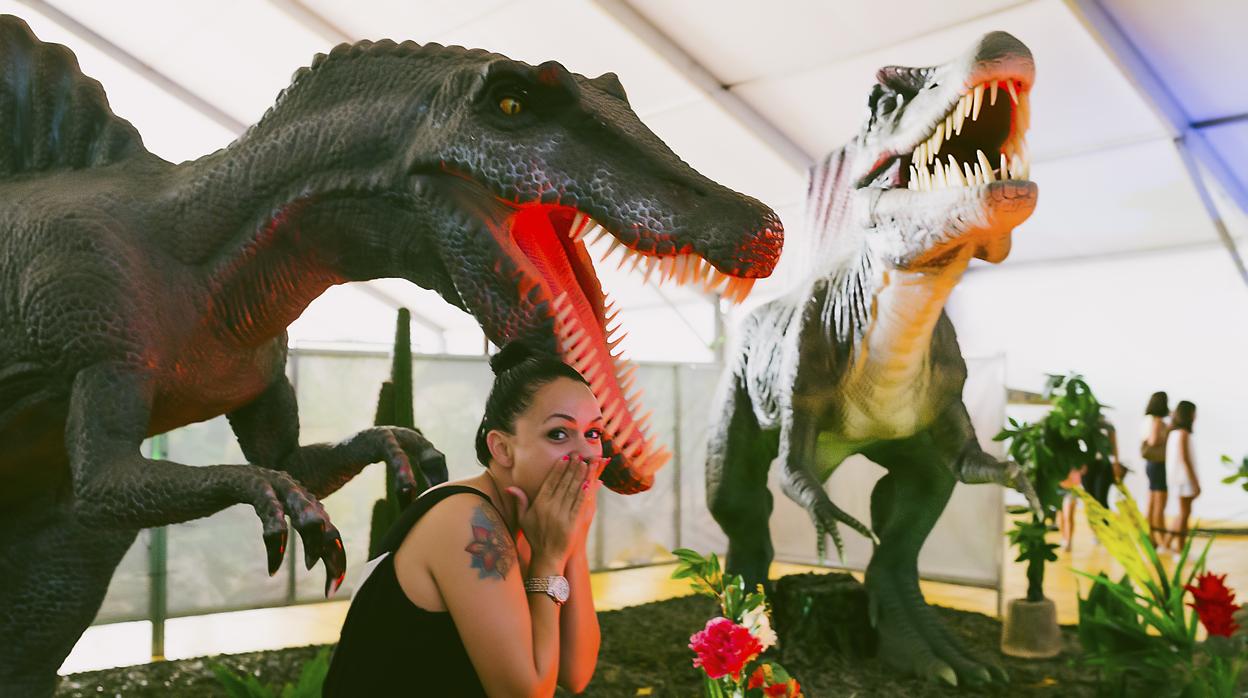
1153	451
1181	468
1100	474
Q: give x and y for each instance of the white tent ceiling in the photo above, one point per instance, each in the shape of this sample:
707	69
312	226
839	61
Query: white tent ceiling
747	92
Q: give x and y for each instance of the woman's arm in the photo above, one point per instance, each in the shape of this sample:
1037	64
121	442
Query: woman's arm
1185	442
511	637
578	627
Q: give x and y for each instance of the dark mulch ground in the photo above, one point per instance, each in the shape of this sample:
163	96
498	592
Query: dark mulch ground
644	647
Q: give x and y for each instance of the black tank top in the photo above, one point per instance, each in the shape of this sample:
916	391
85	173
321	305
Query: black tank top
392	647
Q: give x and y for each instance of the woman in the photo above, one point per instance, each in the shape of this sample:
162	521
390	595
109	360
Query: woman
1153	450
1181	468
445	610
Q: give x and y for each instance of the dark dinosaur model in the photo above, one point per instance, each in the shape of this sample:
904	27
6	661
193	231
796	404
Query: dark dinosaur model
861	357
137	295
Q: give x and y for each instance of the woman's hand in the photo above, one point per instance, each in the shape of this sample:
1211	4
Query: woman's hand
551	521
590	506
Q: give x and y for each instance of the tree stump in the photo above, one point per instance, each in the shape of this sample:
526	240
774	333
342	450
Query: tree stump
828	611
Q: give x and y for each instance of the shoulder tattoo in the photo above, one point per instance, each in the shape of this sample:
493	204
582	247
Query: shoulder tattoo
492	551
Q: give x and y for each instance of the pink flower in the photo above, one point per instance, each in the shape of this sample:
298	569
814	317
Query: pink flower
724	648
1215	604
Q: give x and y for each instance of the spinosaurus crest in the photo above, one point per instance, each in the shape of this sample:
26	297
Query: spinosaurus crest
52	115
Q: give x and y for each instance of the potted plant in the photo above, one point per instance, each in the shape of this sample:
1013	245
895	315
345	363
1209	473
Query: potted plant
1069	437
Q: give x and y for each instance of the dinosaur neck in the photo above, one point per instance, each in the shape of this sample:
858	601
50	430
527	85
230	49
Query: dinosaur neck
259	220
898	337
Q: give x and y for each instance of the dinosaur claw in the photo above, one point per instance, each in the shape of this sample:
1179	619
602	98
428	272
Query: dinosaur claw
404	495
335	562
313	541
946	674
979	676
275	546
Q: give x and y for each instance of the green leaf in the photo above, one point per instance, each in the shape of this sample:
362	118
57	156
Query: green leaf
240	685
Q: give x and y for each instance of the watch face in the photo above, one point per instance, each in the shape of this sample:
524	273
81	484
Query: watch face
559	589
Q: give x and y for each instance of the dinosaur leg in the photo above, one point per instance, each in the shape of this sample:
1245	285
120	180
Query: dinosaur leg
115	487
54	571
268	432
904	507
738	457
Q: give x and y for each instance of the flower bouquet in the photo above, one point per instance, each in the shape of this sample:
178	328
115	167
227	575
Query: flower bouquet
1139	632
728	649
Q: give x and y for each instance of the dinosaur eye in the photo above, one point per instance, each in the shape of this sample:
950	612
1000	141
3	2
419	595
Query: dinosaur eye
509	106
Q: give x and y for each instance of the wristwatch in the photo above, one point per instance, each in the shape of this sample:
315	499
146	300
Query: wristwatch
556	587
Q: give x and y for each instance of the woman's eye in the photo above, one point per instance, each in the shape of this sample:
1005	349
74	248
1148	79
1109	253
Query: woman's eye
594	434
557	434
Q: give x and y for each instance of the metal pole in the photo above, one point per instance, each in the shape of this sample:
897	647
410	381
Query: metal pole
677	449
157	566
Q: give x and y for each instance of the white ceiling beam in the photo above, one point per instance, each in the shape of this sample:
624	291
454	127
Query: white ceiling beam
314	21
706	82
161	81
1191	143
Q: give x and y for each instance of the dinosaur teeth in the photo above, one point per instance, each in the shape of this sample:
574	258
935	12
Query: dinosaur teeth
992	94
978	101
1009	85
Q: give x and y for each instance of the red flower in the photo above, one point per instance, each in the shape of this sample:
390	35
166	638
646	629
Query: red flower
764	677
1214	604
723	648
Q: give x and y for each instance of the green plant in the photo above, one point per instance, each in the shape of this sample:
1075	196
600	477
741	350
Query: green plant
394	408
240	685
1069	437
1138	632
728	649
1241	474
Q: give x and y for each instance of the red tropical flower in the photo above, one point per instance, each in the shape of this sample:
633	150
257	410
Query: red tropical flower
1215	604
764	677
724	648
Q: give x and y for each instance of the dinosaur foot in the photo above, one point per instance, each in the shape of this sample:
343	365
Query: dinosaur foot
275	496
912	638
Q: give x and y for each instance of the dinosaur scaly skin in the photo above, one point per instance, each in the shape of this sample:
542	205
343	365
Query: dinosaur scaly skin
137	295
861	357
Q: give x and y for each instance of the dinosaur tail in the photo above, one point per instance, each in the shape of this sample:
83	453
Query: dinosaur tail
52	116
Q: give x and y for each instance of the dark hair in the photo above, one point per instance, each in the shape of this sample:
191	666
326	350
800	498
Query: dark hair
1184	416
1158	405
518	373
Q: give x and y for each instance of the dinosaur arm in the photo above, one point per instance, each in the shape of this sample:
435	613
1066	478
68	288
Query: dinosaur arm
798	440
953	432
268	432
115	486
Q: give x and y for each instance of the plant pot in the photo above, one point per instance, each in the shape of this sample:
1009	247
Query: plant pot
1030	630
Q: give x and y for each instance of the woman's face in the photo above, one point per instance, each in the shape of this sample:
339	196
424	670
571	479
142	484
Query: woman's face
562	420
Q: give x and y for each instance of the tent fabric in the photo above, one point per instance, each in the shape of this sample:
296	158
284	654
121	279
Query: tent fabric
1116	200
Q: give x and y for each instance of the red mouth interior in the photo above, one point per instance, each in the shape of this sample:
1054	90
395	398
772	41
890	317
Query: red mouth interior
556	261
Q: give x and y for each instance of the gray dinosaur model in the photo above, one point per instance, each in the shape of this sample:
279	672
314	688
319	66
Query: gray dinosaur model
137	295
861	358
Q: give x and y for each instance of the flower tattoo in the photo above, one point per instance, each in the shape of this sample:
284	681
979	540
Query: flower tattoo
492	550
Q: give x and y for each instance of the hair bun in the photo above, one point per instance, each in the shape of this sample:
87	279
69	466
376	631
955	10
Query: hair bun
510	356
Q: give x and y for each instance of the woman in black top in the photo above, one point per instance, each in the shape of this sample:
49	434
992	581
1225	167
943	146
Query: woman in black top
1153	450
444	611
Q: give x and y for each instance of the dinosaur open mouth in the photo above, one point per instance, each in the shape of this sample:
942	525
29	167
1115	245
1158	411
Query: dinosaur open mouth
982	140
557	267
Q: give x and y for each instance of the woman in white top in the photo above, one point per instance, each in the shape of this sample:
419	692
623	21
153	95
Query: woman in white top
1181	468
